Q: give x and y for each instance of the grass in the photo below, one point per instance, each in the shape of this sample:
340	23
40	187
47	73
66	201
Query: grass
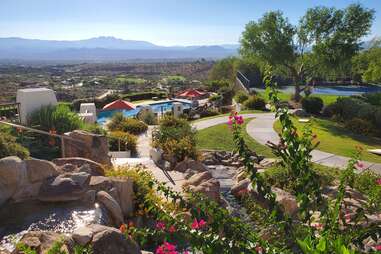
216	116
327	98
220	137
334	138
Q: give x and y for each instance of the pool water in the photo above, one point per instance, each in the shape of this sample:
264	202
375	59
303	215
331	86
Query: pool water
336	90
160	107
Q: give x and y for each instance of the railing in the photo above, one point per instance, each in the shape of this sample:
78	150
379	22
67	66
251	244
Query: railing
243	82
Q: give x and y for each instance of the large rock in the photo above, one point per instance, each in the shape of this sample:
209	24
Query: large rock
287	200
87	145
112	206
42	241
13	175
210	188
125	191
190	164
109	240
240	187
97	169
65	187
39	170
197	179
99	183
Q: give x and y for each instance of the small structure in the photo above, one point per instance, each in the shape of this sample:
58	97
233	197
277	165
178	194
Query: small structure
119	105
32	99
177	109
88	112
192	94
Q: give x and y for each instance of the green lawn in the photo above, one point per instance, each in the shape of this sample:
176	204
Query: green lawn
335	139
220	137
241	112
327	99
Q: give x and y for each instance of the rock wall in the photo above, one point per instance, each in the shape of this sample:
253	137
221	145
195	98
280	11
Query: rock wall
89	145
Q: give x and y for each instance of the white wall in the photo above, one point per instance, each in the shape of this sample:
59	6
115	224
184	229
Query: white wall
32	99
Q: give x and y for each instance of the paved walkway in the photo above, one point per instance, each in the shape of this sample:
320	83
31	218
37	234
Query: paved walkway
261	129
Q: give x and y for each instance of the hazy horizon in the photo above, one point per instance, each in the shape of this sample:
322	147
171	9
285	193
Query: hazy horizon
164	23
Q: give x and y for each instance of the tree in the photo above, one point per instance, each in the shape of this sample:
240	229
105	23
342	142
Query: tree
324	39
367	64
223	69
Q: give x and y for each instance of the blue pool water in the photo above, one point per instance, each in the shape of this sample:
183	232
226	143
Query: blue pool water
337	90
160	107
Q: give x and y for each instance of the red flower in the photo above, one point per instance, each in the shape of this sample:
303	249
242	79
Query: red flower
194	224
198	224
201	223
378	247
259	249
123	228
160	225
172	229
378	181
166	248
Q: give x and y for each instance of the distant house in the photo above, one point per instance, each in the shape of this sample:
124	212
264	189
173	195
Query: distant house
192	94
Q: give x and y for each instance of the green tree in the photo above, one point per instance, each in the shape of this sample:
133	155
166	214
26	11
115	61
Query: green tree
367	64
223	69
325	39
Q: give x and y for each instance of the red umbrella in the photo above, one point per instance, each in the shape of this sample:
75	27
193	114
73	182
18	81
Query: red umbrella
192	93
119	104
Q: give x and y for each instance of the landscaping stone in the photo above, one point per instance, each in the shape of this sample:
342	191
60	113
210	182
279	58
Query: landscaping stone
125	191
65	187
87	145
239	187
197	179
190	164
210	188
99	183
42	241
82	235
97	169
39	170
13	175
287	200
112	206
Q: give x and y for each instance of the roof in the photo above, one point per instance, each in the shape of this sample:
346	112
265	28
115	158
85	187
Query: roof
119	104
37	89
191	93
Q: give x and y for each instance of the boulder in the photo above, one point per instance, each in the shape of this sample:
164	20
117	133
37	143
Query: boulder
99	183
241	186
97	169
241	176
197	179
82	235
190	164
287	200
87	145
39	170
126	195
210	188
112	206
112	241
42	241
13	175
65	187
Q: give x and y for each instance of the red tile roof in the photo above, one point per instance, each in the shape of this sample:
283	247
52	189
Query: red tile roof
119	104
191	93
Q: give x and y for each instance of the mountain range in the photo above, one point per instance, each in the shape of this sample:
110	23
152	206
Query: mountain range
105	49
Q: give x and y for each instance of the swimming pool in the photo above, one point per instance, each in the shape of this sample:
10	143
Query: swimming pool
159	107
335	90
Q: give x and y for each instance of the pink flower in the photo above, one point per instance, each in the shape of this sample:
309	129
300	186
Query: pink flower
198	224
239	120
172	229
194	224
259	249
347	217
378	247
160	225
378	181
359	165
166	248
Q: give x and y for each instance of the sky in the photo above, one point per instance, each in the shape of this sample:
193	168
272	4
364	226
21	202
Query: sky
163	22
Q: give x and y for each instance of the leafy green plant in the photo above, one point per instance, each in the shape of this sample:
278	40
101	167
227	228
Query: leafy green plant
25	249
120	123
9	145
122	141
312	105
241	97
147	117
255	102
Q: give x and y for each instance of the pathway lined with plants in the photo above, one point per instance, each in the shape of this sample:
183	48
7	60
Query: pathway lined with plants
261	129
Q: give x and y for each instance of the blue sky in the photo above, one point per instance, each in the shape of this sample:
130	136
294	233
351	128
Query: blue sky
163	22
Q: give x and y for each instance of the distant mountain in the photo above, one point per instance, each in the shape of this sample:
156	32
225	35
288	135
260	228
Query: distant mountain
104	49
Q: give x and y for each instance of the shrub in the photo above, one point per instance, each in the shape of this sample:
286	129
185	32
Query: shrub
359	126
59	118
255	102
147	117
127	141
241	97
372	98
9	146
94	128
120	123
176	137
208	112
312	105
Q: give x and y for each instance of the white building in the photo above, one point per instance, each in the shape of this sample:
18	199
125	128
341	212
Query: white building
32	99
